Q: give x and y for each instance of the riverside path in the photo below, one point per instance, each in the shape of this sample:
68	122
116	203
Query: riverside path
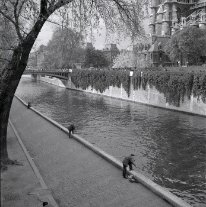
76	175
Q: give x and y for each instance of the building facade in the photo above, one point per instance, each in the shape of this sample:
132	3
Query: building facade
167	17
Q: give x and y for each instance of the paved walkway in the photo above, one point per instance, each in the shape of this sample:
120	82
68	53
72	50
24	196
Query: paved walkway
19	185
76	175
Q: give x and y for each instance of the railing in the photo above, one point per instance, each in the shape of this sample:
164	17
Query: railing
54	73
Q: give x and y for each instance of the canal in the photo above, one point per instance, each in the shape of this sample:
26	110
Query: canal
170	147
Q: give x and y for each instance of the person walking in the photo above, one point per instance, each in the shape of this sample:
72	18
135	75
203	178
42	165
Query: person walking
128	161
71	129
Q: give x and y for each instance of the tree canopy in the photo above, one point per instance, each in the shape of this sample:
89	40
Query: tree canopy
189	42
64	49
95	58
125	59
27	17
121	15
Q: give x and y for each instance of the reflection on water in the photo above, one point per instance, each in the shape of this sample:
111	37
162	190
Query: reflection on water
170	147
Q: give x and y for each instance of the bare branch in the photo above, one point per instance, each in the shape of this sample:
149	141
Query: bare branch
7	17
122	8
17	21
4	59
48	20
11	48
21	6
59	4
43	7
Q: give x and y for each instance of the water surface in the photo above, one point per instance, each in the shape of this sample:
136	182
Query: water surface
170	147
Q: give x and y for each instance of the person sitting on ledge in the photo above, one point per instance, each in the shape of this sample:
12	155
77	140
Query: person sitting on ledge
128	161
29	105
45	203
71	129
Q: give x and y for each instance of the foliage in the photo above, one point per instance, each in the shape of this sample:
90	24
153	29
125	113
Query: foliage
95	58
125	59
100	80
64	49
189	42
199	86
25	18
174	85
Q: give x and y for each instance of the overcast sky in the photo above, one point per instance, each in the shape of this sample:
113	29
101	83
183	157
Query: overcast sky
98	42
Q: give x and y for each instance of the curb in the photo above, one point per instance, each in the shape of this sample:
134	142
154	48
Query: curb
158	190
34	167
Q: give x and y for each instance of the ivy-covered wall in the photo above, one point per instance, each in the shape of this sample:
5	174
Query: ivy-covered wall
100	80
176	86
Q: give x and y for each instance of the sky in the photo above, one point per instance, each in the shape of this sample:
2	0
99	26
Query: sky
99	37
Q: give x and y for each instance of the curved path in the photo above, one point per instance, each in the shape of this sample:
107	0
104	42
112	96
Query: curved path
76	175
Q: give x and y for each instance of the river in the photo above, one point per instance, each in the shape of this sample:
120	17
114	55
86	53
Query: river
169	146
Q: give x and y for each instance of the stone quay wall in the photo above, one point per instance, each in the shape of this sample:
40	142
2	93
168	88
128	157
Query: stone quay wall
149	96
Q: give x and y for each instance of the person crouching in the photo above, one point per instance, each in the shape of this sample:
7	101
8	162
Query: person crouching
128	161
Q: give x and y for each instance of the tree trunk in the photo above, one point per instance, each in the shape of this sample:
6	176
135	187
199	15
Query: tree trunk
4	115
10	78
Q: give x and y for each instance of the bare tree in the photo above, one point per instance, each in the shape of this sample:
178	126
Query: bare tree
27	17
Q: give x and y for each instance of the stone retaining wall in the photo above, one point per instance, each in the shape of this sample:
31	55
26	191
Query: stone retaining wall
149	96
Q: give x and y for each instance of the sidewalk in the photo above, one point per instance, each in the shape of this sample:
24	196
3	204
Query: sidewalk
76	175
19	185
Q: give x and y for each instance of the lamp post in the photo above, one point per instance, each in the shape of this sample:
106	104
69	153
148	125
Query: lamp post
131	72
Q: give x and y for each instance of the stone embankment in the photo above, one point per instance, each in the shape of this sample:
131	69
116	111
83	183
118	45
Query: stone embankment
149	96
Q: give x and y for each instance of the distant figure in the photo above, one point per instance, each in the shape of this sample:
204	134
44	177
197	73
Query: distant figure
71	129
29	105
45	203
128	161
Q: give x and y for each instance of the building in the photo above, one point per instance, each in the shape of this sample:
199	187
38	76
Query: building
167	17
